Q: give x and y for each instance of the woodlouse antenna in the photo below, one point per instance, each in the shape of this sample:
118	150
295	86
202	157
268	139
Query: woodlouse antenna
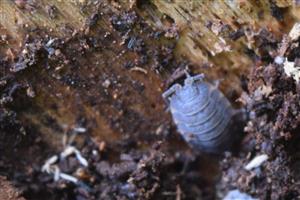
171	91
187	74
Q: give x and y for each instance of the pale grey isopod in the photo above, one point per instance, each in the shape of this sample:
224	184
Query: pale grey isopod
203	115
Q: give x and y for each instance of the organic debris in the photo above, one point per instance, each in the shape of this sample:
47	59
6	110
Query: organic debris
107	76
291	70
272	132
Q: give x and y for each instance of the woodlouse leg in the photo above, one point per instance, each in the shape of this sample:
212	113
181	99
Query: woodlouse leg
187	74
216	84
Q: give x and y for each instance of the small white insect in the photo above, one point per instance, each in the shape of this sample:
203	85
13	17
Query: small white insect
51	161
69	150
79	129
51	166
68	178
256	162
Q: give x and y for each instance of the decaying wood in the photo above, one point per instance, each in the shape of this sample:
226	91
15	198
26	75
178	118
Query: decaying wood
210	33
217	33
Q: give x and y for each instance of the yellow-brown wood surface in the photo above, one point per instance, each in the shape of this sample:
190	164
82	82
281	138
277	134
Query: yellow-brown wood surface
201	26
204	28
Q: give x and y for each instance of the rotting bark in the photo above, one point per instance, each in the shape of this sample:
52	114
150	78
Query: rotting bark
103	66
220	35
200	29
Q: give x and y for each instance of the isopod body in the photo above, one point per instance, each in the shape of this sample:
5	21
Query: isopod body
203	115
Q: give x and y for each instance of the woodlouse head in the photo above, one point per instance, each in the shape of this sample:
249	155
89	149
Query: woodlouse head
186	91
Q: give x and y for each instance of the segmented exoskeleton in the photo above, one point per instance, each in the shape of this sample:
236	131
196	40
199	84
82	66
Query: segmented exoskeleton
202	113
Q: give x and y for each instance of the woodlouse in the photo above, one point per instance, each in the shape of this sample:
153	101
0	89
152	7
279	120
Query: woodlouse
203	115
